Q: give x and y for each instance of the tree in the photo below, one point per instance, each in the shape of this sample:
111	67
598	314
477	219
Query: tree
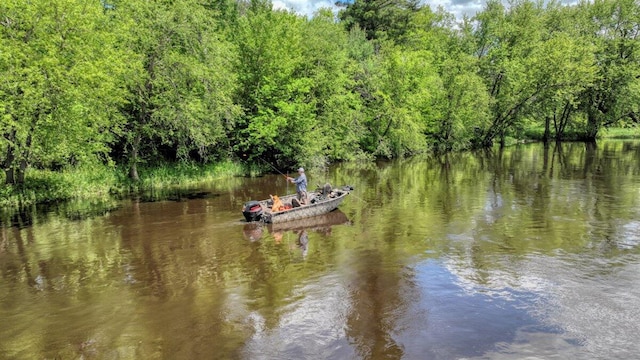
181	84
568	58
612	26
525	67
505	41
398	92
328	64
279	116
59	87
381	19
460	109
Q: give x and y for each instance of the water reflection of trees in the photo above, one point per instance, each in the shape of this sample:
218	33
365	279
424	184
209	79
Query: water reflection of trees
488	211
580	189
523	199
178	278
378	294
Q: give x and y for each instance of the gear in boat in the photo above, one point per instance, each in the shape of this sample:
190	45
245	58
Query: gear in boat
276	209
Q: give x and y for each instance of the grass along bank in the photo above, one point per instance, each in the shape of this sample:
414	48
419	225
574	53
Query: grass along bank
620	133
537	134
182	175
100	183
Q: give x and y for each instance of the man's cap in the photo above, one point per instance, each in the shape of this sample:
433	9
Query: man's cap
300	170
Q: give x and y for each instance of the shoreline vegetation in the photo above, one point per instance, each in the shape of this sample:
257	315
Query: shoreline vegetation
537	134
101	184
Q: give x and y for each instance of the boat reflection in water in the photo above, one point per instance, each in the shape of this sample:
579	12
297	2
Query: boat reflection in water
253	231
321	224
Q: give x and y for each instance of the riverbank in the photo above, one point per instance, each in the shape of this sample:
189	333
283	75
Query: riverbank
537	134
620	133
99	184
102	183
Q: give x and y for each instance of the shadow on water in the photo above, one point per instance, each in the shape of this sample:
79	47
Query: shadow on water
174	195
78	210
69	210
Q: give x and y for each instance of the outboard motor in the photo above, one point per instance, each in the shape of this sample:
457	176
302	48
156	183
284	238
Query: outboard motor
252	211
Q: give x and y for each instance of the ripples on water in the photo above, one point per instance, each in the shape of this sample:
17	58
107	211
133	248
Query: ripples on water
527	253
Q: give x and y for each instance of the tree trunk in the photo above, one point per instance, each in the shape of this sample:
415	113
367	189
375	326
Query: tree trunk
592	126
21	171
25	156
9	171
564	121
9	176
547	130
133	165
133	172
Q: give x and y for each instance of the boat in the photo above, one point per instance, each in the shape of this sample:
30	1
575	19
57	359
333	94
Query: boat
321	201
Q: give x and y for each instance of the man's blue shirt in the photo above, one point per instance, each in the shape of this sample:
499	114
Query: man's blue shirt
301	183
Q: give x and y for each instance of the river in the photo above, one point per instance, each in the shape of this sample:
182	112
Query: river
529	252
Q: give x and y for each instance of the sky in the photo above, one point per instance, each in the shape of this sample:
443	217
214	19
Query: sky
308	7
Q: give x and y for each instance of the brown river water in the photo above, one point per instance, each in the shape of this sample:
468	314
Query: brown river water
529	252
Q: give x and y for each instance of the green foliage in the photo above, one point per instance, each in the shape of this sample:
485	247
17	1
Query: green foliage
612	27
139	84
620	133
181	84
275	90
58	89
95	183
102	184
184	174
381	19
400	92
559	63
461	106
328	64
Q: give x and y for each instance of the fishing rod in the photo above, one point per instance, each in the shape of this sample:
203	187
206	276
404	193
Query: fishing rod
276	169
279	172
268	163
359	198
273	167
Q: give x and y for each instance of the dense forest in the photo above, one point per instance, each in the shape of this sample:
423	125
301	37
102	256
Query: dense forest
124	83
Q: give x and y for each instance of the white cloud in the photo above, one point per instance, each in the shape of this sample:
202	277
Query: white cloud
304	7
280	5
309	7
455	7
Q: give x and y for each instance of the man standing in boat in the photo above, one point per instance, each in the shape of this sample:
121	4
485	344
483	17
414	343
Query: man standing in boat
301	186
